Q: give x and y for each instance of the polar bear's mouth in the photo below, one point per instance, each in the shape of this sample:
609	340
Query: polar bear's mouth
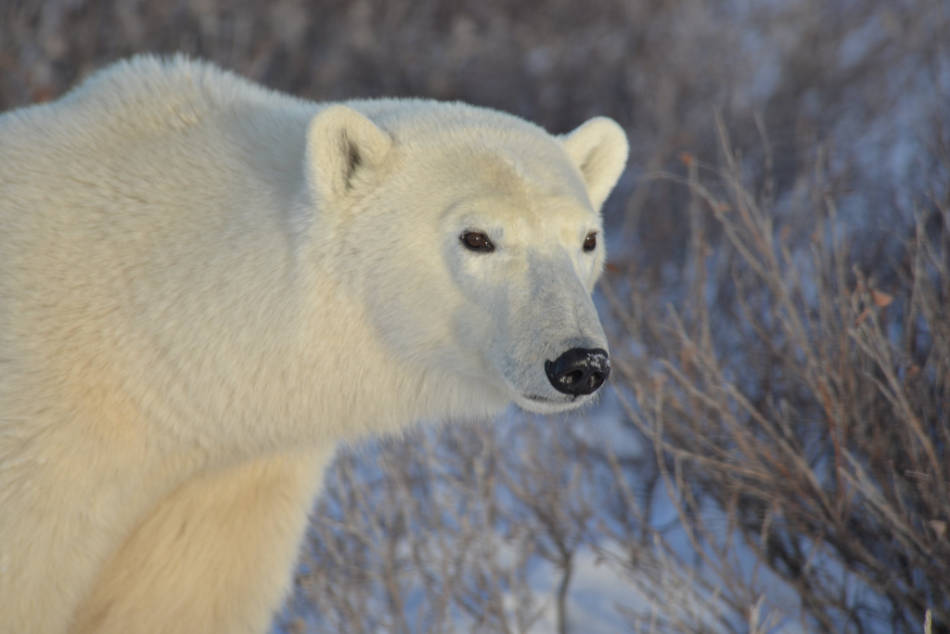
533	399
550	405
547	399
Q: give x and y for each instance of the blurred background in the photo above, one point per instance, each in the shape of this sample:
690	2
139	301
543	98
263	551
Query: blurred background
771	455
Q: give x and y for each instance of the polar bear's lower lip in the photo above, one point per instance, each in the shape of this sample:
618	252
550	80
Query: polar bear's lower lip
545	399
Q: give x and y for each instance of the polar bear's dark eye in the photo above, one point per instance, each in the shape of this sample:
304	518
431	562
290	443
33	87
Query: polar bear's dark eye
477	241
590	242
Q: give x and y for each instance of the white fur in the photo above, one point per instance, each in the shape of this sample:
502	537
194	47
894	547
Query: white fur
205	286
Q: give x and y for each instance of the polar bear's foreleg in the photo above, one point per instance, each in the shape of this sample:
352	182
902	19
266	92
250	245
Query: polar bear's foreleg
215	556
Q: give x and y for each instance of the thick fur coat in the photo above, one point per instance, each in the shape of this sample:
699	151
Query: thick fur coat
205	286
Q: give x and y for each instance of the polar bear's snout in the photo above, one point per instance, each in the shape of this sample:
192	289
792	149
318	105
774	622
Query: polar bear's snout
579	371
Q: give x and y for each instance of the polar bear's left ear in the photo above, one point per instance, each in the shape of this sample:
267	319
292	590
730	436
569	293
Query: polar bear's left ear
599	150
340	143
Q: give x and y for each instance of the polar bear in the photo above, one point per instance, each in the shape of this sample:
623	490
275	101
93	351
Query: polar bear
205	286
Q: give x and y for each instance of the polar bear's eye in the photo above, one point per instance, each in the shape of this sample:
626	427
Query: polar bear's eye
590	242
477	241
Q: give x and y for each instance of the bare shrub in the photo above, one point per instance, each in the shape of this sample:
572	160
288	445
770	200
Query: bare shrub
810	401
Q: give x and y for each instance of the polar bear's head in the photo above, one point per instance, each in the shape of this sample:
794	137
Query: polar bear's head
474	239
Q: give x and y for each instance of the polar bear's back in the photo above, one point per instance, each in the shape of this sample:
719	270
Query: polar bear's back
149	118
145	149
141	96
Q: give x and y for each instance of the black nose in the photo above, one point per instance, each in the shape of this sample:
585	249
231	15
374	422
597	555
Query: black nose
578	371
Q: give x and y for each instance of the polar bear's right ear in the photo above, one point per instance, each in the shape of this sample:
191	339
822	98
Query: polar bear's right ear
340	143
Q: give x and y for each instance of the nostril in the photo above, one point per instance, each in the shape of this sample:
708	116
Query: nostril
578	371
596	380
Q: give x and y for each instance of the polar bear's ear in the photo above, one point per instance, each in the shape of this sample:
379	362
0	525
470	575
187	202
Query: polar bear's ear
340	143
599	150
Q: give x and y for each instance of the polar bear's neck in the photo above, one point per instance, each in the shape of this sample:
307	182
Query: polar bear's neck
301	365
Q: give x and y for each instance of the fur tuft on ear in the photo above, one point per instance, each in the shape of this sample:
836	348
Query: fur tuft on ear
599	150
340	143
